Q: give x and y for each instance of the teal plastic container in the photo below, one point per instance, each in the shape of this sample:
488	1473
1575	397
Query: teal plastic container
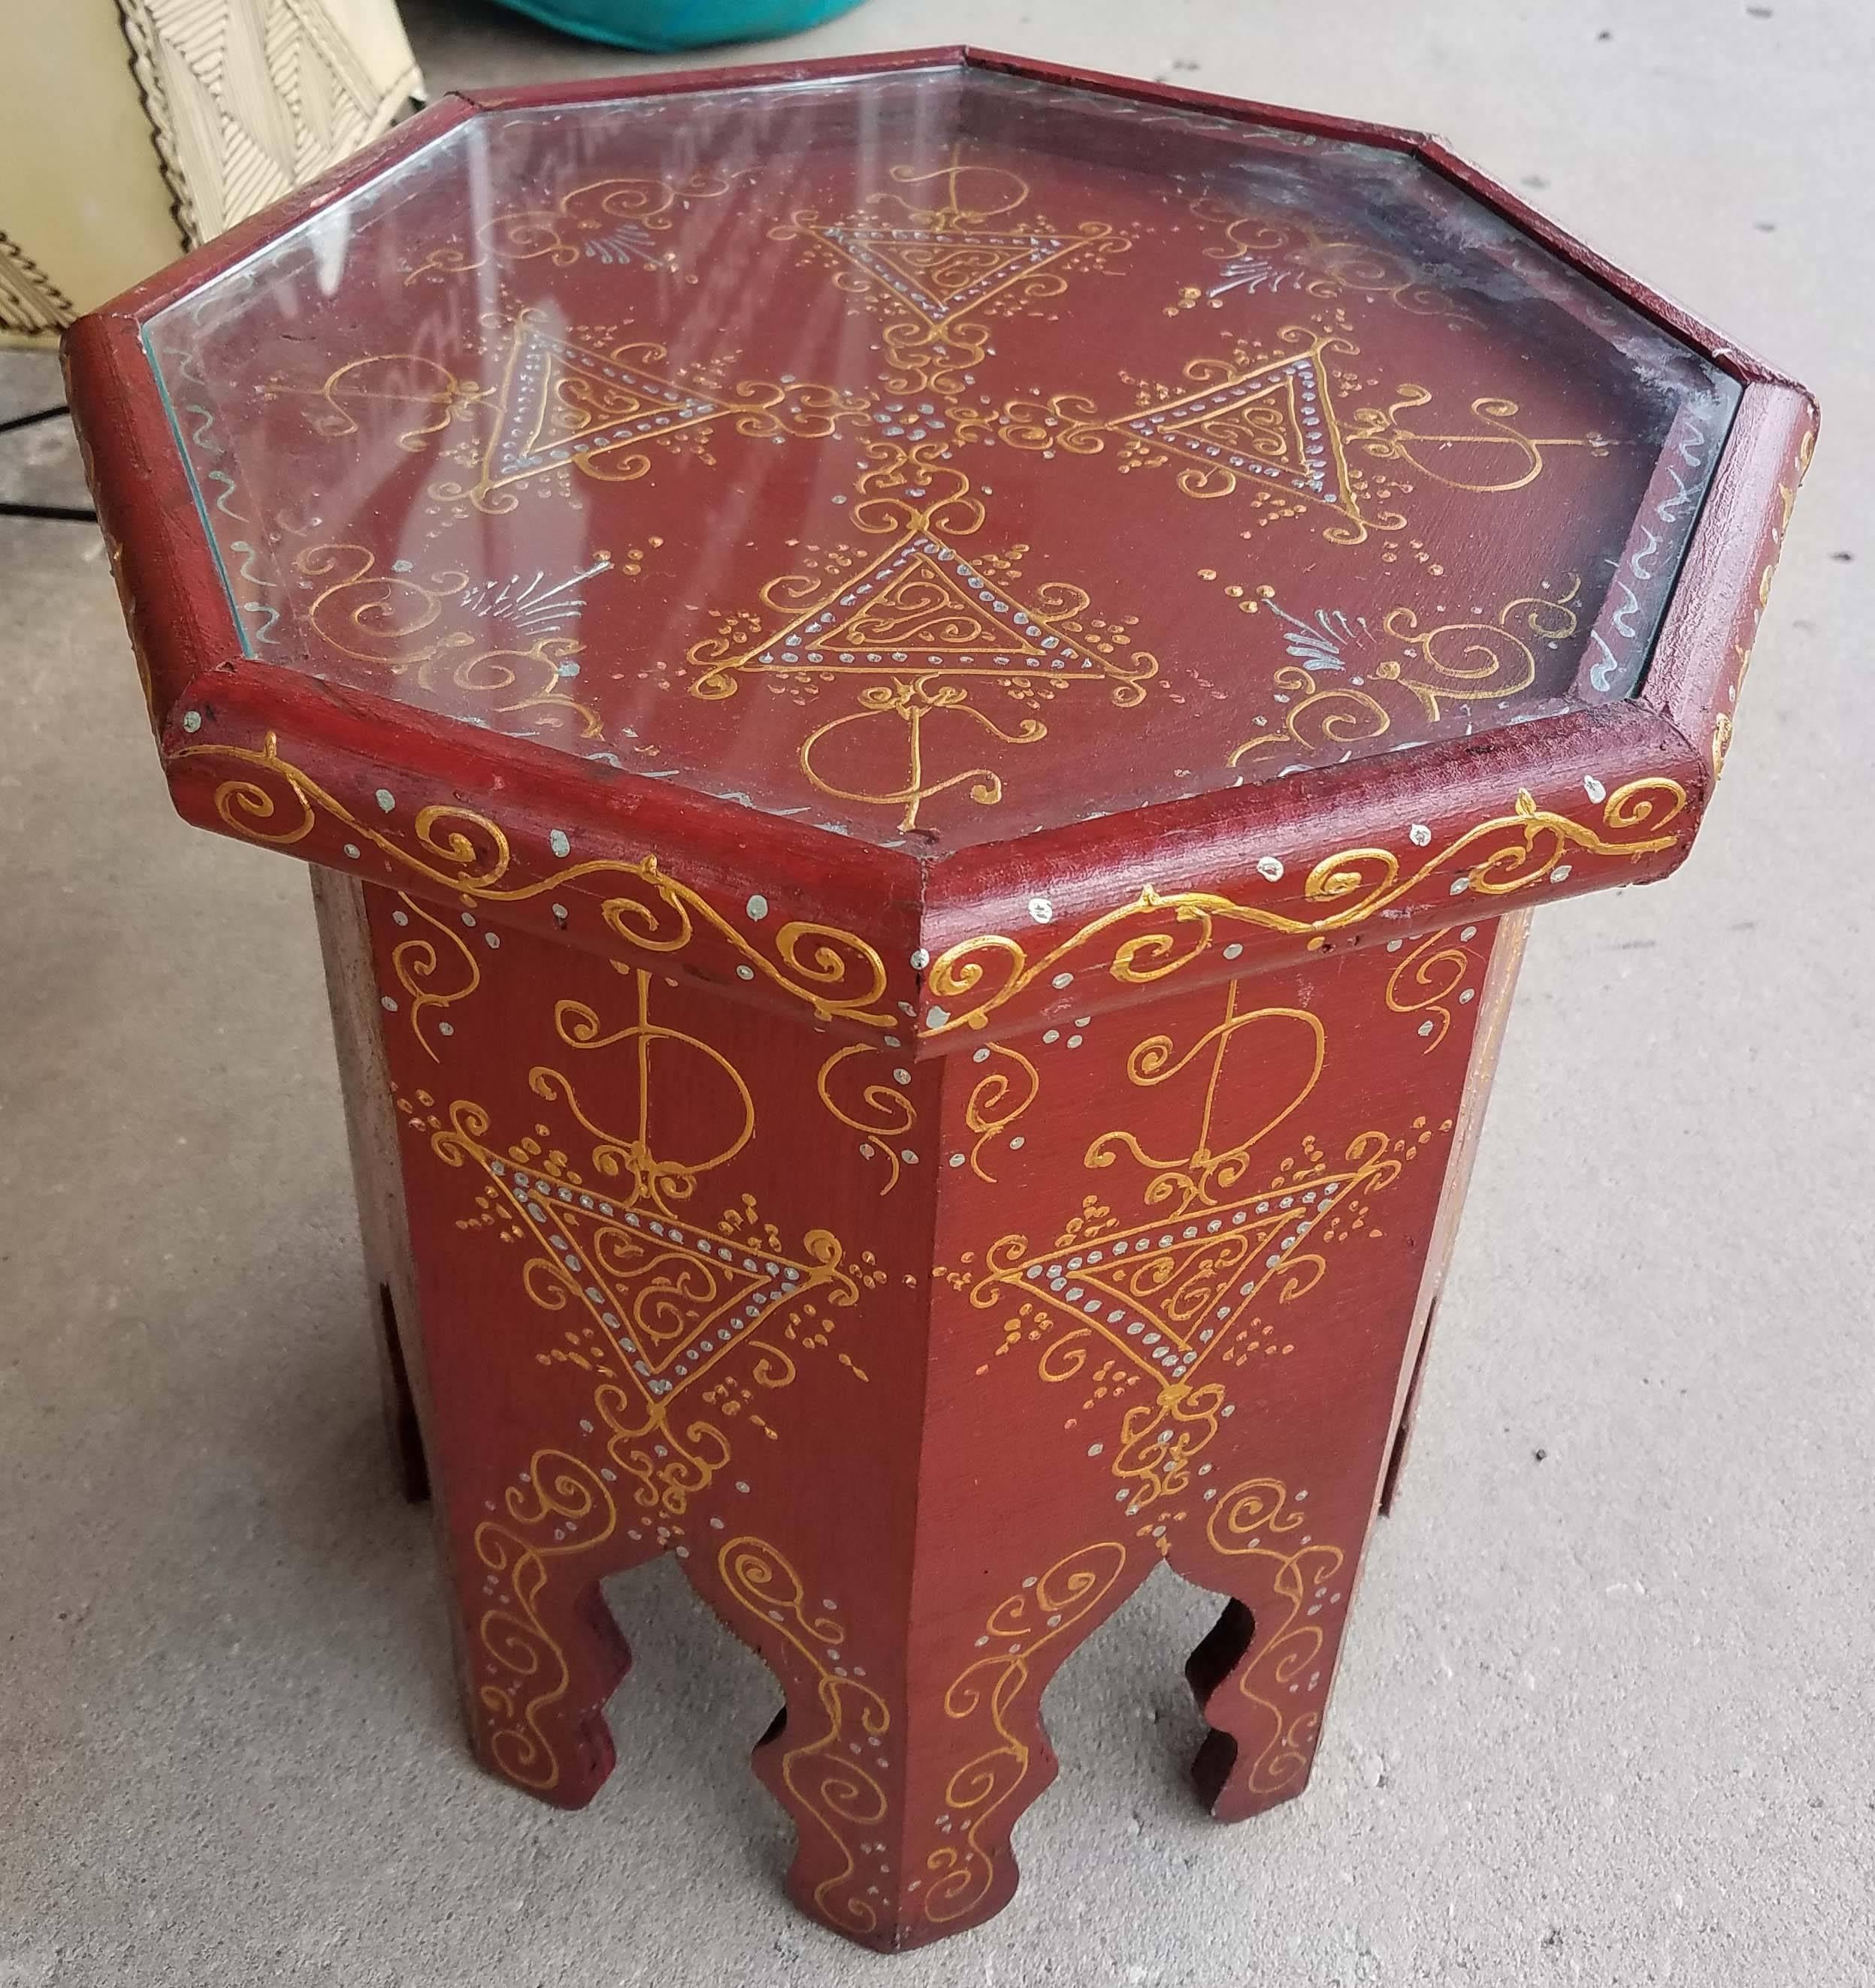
660	25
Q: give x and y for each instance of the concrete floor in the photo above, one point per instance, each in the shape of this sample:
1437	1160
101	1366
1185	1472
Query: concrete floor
1607	1715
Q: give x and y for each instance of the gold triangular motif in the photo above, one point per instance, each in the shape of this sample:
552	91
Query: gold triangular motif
1166	1295
1275	424
553	384
672	1296
923	605
941	273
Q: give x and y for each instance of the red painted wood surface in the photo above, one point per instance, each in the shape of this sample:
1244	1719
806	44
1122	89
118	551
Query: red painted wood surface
939	669
920	1369
774	445
727	304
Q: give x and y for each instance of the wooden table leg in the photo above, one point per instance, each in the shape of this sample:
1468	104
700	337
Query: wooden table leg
1186	1265
371	1130
665	1295
1427	976
919	1368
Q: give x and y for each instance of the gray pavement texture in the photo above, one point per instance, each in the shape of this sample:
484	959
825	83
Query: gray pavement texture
1606	1715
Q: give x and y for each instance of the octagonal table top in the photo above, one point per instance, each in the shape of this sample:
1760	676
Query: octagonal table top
937	495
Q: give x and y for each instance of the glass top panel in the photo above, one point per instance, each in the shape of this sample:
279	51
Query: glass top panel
937	457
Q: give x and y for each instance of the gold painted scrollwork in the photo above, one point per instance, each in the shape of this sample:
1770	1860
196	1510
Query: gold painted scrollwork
1502	457
893	1115
665	1181
375	617
1257	1518
1182	1290
1069	423
671	1457
1041	1613
1158	1439
839	975
562	406
1263	421
915	701
918	629
416	962
400	380
1159	933
997	192
1466	661
1204	1176
1317	719
1425	980
1061	1358
1008	1086
829	1775
391	618
1264	250
697	1320
932	268
616	219
835	973
562	1507
1460	662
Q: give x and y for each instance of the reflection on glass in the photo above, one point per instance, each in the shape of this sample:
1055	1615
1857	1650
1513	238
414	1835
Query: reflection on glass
937	456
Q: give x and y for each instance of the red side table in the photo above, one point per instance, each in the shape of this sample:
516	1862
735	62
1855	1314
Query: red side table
930	697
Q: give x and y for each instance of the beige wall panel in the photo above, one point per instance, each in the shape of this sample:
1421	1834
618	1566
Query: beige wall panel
131	129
